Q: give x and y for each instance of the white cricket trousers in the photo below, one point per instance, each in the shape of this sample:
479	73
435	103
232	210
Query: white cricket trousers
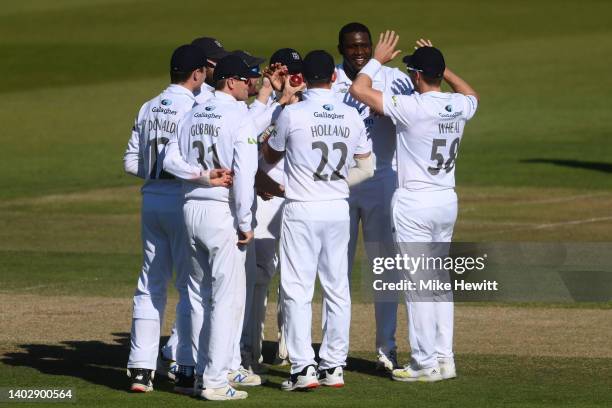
423	224
164	245
314	238
219	264
370	203
267	233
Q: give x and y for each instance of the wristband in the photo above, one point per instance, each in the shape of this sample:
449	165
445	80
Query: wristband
204	177
371	68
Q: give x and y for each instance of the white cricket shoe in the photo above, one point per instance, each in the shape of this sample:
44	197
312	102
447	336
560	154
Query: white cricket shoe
407	374
243	377
304	380
223	394
332	377
447	368
387	362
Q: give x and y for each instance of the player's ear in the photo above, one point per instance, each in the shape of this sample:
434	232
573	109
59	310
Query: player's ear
334	76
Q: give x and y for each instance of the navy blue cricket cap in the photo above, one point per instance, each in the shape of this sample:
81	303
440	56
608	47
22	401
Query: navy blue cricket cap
288	57
428	60
251	60
318	66
233	66
211	47
187	58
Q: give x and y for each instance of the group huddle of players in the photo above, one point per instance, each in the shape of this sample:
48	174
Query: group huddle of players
234	192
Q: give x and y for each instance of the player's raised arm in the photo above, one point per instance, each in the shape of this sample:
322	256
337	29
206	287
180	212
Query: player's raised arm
361	89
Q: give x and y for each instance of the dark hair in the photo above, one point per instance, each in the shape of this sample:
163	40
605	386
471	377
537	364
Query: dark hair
179	77
352	28
431	81
220	84
316	82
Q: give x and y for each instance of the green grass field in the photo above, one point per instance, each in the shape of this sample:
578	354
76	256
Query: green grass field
535	165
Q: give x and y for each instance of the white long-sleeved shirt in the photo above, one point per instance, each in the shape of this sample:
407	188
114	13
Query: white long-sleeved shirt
156	125
219	134
380	129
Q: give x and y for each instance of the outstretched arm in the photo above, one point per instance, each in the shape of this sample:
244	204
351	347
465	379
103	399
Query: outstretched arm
361	89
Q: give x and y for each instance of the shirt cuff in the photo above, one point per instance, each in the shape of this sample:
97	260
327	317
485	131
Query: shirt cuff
371	68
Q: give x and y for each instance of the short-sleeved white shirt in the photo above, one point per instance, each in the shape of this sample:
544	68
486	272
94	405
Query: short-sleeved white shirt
318	135
429	130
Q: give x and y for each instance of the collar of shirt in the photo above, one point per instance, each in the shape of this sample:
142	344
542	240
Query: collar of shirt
437	94
319	93
224	96
179	89
206	87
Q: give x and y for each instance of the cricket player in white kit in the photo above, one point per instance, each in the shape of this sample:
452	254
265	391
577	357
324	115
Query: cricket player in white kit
370	201
214	51
430	126
270	178
218	220
317	136
163	234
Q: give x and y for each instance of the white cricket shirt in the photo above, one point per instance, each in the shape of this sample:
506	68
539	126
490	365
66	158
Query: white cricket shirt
155	126
220	134
206	93
380	129
318	136
429	130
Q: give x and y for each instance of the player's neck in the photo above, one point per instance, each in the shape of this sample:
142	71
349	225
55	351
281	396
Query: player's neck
423	87
326	86
189	86
350	72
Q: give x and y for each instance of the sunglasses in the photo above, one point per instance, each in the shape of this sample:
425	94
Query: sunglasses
242	79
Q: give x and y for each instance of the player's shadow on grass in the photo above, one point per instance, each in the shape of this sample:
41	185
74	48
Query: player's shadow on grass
92	361
105	363
580	164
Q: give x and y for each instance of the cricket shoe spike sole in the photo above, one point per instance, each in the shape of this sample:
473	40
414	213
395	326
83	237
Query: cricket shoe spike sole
303	381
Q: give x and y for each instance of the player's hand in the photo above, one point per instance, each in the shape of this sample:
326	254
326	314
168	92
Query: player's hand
265	91
290	91
385	49
221	177
244	238
276	75
423	43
